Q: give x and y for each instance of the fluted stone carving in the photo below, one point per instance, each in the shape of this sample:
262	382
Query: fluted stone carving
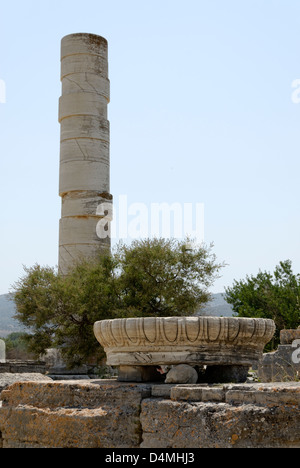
84	149
190	340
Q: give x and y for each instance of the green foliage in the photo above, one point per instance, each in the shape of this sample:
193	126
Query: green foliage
16	345
16	341
36	305
275	296
162	278
149	278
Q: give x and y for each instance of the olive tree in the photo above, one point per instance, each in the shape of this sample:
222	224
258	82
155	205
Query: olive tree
152	277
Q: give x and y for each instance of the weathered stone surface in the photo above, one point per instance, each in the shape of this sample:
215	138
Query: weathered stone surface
68	377
114	415
198	393
196	341
172	424
242	416
7	379
281	365
23	367
84	155
94	414
182	374
161	390
275	394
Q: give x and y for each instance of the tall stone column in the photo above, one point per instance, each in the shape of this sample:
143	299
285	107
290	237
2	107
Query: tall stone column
84	149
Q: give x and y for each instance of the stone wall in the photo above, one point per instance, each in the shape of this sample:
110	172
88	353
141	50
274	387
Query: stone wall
284	364
8	379
109	414
241	416
23	367
72	414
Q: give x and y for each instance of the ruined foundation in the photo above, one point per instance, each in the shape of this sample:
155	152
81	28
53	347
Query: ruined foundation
282	365
109	414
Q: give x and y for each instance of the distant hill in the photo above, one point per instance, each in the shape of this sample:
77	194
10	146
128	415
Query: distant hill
218	307
7	323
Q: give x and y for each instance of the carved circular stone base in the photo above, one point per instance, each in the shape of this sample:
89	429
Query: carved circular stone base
210	341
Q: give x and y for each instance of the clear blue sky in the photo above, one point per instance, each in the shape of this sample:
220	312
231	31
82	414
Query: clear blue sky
201	112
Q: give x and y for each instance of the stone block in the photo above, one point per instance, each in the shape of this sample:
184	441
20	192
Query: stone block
216	394
108	414
182	373
93	414
8	379
84	155
198	393
83	43
276	395
192	424
279	366
23	367
161	390
186	393
85	126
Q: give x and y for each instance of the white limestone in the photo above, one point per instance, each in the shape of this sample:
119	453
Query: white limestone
84	152
183	373
2	351
158	341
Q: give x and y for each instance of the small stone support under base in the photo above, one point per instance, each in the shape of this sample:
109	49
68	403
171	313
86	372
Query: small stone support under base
212	374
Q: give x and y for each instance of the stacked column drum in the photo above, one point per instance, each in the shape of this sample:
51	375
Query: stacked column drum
84	149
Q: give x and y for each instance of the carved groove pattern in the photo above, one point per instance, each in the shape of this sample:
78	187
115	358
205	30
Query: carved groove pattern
180	331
